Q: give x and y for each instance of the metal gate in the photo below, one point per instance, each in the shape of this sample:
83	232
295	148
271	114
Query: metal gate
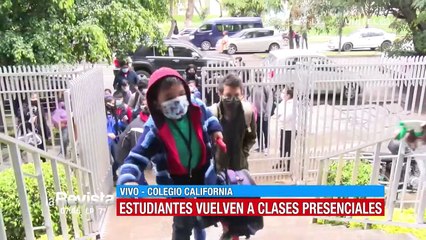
336	107
56	114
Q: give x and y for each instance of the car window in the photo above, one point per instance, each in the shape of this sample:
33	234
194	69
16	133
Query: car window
247	25
264	33
290	61
158	52
206	27
179	51
375	34
250	35
229	27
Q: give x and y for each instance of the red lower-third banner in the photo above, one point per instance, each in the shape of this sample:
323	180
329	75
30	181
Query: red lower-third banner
249	207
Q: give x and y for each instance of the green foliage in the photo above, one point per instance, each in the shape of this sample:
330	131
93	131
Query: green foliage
277	23
9	200
405	216
413	12
253	8
59	31
364	173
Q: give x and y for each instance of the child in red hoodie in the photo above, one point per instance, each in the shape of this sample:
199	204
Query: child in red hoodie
180	128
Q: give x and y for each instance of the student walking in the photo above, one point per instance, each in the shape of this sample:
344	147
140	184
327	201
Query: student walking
179	129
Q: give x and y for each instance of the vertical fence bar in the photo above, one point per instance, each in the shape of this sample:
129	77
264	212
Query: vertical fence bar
2	228
43	197
22	192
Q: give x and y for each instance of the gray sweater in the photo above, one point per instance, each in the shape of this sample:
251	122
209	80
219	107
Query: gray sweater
262	98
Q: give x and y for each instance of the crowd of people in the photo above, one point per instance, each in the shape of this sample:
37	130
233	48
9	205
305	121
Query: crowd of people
163	123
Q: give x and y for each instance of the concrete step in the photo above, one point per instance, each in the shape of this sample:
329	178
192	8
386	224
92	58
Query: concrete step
289	228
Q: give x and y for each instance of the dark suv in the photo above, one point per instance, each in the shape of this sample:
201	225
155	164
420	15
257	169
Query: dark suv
177	55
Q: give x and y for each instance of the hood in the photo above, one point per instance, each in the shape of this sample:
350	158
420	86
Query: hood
154	80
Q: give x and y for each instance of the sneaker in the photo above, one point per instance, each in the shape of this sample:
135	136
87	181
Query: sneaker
266	151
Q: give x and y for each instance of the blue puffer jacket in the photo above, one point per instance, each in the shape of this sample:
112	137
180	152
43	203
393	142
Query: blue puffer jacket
156	144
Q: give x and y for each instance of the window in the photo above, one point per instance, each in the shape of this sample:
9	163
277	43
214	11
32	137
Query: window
250	35
182	52
158	52
247	25
264	33
376	34
228	27
206	27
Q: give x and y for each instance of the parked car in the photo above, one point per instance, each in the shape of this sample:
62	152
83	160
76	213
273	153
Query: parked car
371	38
178	54
319	68
255	40
184	34
211	31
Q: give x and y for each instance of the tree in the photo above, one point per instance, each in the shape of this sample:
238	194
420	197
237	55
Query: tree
368	8
253	8
69	31
334	14
189	13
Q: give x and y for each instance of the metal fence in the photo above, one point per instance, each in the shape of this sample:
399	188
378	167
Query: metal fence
56	114
403	174
336	107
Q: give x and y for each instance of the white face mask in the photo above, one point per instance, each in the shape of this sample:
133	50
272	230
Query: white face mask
283	96
175	108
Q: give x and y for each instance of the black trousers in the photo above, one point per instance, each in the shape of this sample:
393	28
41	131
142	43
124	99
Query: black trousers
182	227
285	146
262	132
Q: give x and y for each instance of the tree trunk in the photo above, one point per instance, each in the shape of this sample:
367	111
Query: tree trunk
341	25
220	8
172	21
367	22
189	13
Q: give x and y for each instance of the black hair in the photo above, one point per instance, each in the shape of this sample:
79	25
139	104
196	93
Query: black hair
118	94
124	83
108	90
289	91
122	63
189	67
164	84
231	80
239	59
142	84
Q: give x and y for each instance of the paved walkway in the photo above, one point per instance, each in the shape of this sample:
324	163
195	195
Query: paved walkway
276	228
289	228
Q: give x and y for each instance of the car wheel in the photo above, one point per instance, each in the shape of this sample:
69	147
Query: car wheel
142	73
385	45
347	47
232	49
351	91
274	46
206	45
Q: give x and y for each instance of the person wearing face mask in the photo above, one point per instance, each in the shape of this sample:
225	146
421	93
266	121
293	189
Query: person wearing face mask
126	73
122	111
139	95
35	121
175	130
286	119
112	132
237	118
262	98
124	88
